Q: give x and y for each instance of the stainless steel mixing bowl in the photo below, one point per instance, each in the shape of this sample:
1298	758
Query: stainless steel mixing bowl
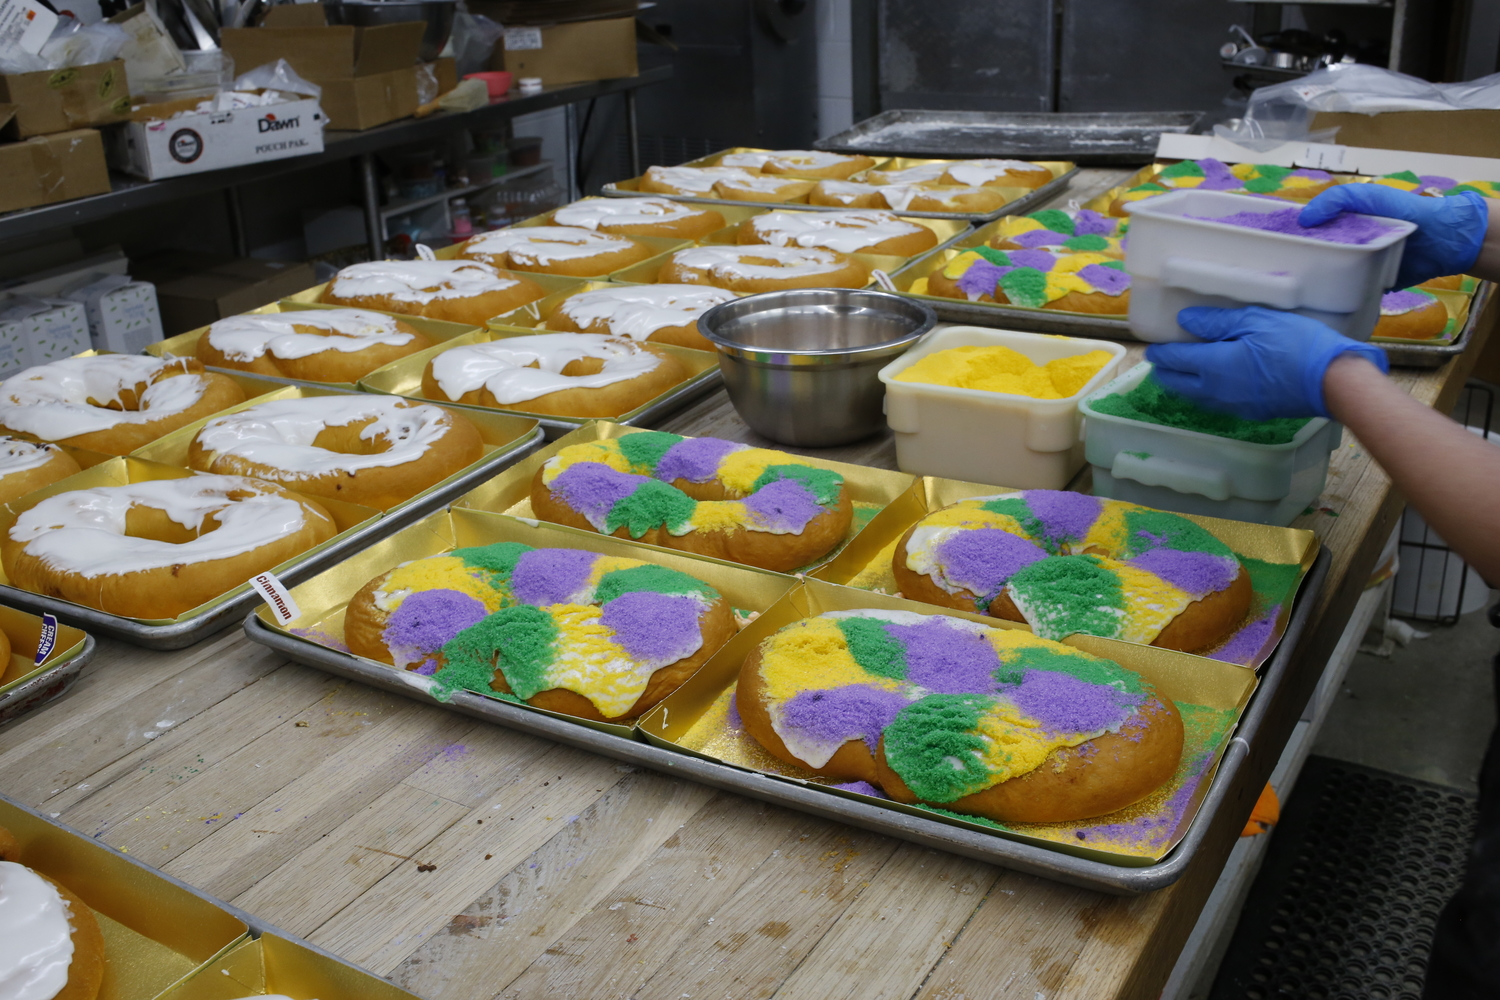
438	14
800	366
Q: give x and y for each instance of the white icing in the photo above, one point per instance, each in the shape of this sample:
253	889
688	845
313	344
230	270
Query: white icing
69	397
245	338
280	433
845	192
897	196
419	281
761	183
911	175
846	232
723	263
638	311
83	531
503	366
36	936
542	245
785	159
977	173
693	180
598	212
21	456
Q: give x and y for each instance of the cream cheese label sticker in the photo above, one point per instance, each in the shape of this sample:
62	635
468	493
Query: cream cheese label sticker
47	640
278	599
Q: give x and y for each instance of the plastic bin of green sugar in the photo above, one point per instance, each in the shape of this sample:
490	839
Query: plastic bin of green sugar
1151	448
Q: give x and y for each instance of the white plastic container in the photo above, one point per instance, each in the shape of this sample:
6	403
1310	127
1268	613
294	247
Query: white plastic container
991	437
1175	261
1195	473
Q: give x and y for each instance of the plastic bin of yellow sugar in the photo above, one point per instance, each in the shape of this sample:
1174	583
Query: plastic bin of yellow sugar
1006	423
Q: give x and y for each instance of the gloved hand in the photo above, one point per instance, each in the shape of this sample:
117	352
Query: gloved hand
1258	363
1449	230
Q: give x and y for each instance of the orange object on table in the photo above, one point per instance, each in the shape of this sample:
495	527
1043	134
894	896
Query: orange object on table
1266	814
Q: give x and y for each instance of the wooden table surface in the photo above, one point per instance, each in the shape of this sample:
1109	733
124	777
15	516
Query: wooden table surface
465	861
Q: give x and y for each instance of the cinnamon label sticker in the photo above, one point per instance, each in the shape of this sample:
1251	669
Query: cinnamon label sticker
278	598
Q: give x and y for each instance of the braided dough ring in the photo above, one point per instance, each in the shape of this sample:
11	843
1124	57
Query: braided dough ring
313	345
701	495
459	291
1036	279
593	636
640	217
112	403
49	938
26	467
985	721
663	314
569	250
764	269
697	181
160	548
373	450
568	374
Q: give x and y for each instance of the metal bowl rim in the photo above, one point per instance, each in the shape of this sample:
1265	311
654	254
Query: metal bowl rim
928	319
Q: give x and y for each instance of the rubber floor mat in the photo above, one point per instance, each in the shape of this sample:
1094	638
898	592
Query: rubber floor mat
1354	878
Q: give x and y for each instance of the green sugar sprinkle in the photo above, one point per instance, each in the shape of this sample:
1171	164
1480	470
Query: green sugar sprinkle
1087	668
1148	186
1183	168
997	257
823	484
1263	185
1171	530
521	637
652	505
1054	219
1015	507
931	746
1150	403
1114	265
1093	242
499	558
1405	175
1070	594
1271	171
873	648
1025	286
646	448
659	579
1273	581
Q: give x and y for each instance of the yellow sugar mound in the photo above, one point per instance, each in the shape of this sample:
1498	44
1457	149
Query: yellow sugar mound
1000	369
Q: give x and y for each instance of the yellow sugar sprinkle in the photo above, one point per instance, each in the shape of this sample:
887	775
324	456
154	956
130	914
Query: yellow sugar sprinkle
604	452
1001	369
1150	602
739	470
1108	530
1014	225
589	662
442	573
608	564
718	515
1014	743
812	654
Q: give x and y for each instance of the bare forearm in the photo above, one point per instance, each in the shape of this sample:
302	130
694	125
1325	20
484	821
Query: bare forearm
1446	472
1488	264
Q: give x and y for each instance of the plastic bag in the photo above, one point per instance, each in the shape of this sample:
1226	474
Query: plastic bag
474	37
427	83
278	75
72	43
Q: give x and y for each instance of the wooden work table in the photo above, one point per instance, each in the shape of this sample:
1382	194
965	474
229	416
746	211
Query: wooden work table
464	861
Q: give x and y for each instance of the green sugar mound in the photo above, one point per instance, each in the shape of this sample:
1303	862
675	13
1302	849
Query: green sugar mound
823	484
873	648
1150	403
1025	286
997	257
1273	581
1092	243
1183	168
1147	529
1067	594
659	579
646	448
1148	186
520	637
652	505
499	558
1054	219
1405	175
931	745
1015	507
1085	666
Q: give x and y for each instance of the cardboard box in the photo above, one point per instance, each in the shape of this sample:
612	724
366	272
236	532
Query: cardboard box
58	100
368	75
1457	133
570	53
1326	156
51	168
122	314
446	71
47	329
154	144
193	292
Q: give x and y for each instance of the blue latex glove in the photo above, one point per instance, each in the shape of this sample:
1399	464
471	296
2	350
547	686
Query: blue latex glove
1258	363
1449	232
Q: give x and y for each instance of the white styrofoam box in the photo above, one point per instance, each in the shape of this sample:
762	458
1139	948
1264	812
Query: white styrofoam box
1176	261
211	140
13	358
122	314
1195	473
990	437
59	332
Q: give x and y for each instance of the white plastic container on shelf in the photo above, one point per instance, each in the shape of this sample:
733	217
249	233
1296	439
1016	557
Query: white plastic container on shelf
1195	473
991	437
1178	258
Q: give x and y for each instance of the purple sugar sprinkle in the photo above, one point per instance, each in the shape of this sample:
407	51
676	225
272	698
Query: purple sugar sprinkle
982	560
982	278
1198	573
1436	181
1349	229
1063	703
1091	223
694	459
1039	259
1035	239
592	488
1245	645
660	628
429	618
1405	300
945	659
837	715
551	576
732	717
1065	516
1109	280
1311	173
426	668
1218	177
785	505
863	788
1156	828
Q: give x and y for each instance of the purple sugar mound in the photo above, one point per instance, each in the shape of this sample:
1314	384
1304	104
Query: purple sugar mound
694	459
1063	703
656	628
983	559
837	715
551	576
945	659
427	619
1355	230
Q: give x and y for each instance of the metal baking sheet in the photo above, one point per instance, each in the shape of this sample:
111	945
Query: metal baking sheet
1028	858
1087	138
1415	354
44	687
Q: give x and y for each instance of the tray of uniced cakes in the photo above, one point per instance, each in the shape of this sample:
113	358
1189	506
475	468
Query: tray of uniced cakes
973	190
894	651
81	920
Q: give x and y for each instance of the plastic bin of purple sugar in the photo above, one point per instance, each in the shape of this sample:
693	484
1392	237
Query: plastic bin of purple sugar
1212	248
